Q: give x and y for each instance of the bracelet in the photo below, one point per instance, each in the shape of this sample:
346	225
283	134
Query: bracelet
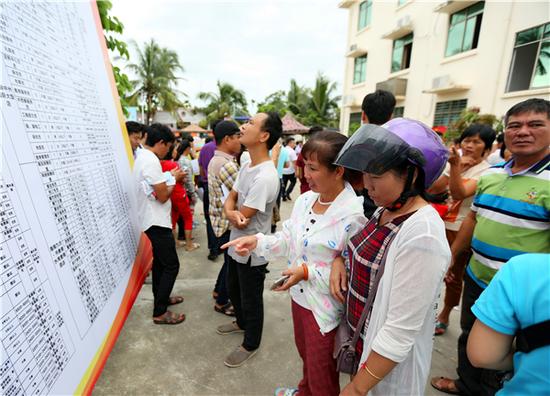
371	373
306	271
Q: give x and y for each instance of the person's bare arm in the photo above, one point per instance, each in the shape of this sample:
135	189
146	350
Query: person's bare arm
378	366
458	188
299	172
163	192
463	238
490	349
462	242
440	185
236	217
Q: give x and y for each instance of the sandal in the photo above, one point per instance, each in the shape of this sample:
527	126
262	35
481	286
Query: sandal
226	309
286	391
169	318
194	247
445	385
440	328
175	300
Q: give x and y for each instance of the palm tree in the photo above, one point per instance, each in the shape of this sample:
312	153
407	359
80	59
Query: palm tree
323	103
227	101
156	81
297	99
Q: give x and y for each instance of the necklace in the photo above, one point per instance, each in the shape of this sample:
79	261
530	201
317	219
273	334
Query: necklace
323	203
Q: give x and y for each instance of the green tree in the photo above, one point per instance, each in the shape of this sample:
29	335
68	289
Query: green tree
323	104
274	102
111	28
298	99
468	117
156	69
227	101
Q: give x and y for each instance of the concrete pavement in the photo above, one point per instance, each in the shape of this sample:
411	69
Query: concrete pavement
187	359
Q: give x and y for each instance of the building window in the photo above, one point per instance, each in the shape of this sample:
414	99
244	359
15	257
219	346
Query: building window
401	2
530	66
365	13
448	112
401	55
398	112
360	69
464	29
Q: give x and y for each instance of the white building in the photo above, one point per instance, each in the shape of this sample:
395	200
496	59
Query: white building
440	57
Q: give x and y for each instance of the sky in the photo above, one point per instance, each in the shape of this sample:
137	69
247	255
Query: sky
256	45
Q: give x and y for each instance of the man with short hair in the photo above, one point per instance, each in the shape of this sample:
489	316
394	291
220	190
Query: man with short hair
226	135
249	208
135	133
289	173
510	216
153	190
377	107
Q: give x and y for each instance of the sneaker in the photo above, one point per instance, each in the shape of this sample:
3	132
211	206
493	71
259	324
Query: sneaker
229	328
286	391
238	357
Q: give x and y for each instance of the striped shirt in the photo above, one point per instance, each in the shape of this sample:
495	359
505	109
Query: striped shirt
512	217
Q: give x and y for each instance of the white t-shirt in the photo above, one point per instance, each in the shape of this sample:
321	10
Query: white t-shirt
494	158
151	212
292	157
257	188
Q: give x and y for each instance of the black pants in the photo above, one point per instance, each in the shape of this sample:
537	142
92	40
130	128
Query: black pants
286	179
165	266
246	288
473	381
212	244
221	282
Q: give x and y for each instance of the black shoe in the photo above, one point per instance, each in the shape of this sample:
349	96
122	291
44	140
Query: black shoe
212	256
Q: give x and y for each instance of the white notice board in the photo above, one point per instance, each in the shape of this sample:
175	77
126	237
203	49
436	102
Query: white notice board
68	237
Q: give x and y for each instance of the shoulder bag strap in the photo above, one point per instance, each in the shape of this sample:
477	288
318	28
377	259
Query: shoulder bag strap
372	294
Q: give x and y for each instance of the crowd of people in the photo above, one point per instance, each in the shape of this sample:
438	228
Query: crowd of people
383	221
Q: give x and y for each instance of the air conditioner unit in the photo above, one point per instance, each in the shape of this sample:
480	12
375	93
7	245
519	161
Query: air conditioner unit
347	100
405	21
441	82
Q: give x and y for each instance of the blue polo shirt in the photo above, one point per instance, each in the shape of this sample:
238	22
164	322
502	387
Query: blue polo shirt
518	297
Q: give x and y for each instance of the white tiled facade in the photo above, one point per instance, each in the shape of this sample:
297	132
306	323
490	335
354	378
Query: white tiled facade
480	76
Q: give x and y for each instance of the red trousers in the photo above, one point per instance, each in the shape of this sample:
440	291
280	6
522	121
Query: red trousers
181	208
319	370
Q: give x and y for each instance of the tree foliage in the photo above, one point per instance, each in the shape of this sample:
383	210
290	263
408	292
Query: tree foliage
468	117
226	101
317	106
156	70
112	27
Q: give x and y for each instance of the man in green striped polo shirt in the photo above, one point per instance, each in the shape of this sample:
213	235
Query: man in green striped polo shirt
510	216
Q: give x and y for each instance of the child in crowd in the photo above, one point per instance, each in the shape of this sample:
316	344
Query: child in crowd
180	203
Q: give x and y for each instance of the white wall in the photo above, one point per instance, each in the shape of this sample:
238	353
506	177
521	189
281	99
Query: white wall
484	69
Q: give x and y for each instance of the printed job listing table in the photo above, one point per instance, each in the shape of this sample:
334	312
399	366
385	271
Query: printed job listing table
68	240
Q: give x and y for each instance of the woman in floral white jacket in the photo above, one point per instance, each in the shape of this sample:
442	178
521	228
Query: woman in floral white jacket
318	230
